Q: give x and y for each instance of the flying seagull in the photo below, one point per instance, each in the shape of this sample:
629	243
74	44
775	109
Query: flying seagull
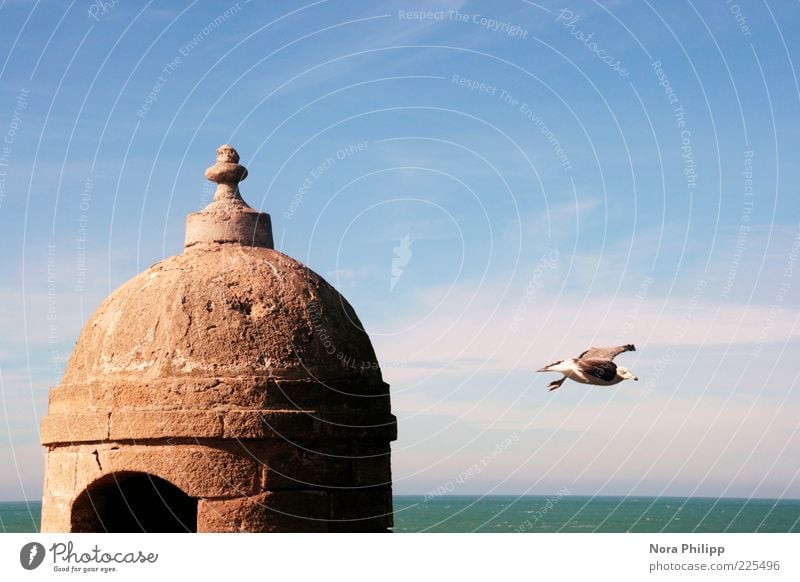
594	366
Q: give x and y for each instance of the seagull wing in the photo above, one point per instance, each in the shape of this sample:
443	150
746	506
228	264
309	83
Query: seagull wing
603	369
606	353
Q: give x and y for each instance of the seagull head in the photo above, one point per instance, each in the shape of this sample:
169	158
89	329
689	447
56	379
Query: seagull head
626	373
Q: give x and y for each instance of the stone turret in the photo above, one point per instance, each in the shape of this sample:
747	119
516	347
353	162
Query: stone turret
228	388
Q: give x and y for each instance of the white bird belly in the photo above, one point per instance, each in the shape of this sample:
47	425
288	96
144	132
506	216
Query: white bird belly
577	375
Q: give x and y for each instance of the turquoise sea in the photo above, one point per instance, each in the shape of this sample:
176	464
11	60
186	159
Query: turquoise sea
566	513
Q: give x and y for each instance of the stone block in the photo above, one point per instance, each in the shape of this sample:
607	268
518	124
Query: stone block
191	392
89	466
294	394
360	427
56	514
285	424
75	427
68	398
199	471
145	424
371	466
165	393
357	398
59	475
361	510
283	511
288	465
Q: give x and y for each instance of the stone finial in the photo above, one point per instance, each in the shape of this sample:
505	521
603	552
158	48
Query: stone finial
226	153
228	219
227	172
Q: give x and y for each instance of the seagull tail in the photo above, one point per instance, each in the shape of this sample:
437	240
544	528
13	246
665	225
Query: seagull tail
548	366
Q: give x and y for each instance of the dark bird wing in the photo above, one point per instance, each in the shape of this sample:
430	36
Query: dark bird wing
602	369
606	353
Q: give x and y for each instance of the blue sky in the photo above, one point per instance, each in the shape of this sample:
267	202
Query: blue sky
565	173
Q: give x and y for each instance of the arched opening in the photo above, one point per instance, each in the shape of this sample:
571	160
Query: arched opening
134	502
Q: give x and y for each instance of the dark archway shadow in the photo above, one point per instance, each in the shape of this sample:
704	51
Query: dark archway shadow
133	502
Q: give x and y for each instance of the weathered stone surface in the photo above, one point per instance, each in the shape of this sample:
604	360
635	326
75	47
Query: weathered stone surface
246	227
287	424
361	510
284	511
147	424
55	514
68	399
230	374
356	427
301	465
259	392
360	396
75	427
90	463
371	465
190	392
59	474
221	311
320	464
200	471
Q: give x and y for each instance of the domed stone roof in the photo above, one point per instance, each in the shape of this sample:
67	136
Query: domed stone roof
223	311
222	324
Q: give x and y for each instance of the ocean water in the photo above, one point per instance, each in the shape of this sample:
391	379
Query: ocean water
19	516
575	514
565	513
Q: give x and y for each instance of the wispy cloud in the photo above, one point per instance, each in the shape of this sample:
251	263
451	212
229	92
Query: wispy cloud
473	328
347	277
691	444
